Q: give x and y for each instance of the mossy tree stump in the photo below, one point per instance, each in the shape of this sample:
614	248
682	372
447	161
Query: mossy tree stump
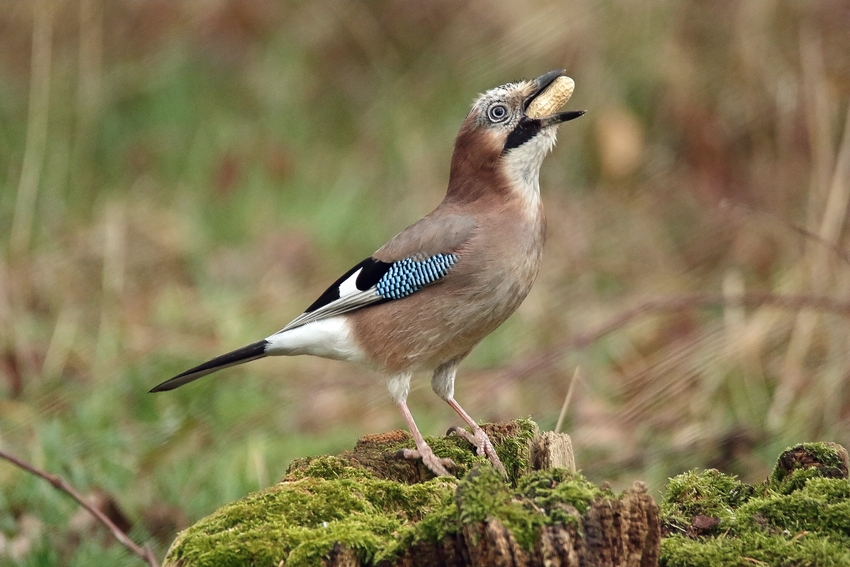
369	507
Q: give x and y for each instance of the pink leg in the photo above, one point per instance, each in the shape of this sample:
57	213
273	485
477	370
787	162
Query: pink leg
434	463
477	438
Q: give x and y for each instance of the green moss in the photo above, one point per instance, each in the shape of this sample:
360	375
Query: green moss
541	498
821	507
439	525
556	491
707	493
483	494
511	441
800	516
756	549
512	445
326	467
302	520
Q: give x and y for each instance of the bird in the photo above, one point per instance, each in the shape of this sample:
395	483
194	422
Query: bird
429	295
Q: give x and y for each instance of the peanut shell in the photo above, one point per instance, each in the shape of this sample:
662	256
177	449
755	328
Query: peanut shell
552	99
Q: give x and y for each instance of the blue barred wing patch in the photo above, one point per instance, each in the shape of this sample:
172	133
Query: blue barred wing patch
408	276
374	281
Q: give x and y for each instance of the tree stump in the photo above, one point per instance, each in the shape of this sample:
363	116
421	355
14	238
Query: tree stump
369	507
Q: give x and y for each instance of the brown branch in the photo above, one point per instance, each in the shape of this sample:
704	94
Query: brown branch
744	209
675	303
59	483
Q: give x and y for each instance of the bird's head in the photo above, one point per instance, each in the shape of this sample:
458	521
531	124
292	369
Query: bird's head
499	144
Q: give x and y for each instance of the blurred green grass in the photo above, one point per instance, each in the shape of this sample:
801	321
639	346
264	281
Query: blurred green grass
208	167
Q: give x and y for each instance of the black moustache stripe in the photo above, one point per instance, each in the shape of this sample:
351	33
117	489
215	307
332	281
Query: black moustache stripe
523	132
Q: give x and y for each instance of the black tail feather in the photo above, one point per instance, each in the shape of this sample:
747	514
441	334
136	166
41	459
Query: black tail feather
238	356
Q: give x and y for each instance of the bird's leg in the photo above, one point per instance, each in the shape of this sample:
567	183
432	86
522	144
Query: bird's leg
399	386
443	384
434	463
478	438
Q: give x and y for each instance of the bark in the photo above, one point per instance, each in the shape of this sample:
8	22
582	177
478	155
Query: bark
614	532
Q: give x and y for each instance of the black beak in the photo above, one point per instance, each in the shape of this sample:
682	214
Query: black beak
562	117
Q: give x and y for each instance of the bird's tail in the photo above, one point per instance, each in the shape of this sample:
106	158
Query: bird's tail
238	356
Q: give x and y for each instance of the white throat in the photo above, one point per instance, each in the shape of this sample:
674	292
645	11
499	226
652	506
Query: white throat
522	166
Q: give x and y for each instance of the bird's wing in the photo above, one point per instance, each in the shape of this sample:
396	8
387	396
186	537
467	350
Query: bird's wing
416	257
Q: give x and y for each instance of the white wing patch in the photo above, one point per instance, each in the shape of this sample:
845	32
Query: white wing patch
349	286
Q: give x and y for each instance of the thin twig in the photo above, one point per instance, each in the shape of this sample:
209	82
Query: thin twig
676	303
59	483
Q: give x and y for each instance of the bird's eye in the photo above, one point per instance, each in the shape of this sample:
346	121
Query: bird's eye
497	112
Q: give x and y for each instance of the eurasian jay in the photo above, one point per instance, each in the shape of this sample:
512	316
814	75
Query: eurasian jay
430	294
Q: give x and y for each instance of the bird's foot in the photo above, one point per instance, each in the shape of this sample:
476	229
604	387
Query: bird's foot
483	447
435	464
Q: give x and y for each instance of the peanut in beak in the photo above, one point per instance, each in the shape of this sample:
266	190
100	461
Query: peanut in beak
552	99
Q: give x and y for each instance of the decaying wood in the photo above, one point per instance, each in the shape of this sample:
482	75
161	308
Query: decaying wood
615	532
551	450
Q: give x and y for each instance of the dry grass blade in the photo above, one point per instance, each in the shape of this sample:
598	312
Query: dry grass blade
39	103
563	413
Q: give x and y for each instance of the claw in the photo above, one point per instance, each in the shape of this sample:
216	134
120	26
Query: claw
483	447
435	464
